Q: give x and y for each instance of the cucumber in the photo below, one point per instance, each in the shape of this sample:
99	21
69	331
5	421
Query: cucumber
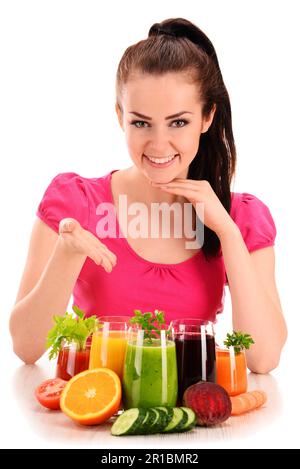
179	419
162	421
191	421
168	411
142	421
159	422
144	427
127	422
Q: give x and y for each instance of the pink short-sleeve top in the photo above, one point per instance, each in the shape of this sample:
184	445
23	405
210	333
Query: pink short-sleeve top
192	288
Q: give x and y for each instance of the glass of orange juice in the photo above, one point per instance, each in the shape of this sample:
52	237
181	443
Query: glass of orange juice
109	344
231	370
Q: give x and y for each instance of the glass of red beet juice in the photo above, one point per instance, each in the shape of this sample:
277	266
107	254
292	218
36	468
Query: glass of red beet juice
195	352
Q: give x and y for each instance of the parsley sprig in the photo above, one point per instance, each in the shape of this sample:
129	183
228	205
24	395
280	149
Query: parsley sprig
147	322
239	341
70	329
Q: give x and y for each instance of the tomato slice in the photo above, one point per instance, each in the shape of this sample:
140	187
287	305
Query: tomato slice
48	393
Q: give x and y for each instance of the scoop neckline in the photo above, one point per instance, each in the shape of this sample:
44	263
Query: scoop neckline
127	245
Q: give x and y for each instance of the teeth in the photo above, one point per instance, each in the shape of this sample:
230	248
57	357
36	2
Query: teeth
161	160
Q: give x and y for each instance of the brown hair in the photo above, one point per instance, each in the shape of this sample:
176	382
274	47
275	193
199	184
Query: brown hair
177	45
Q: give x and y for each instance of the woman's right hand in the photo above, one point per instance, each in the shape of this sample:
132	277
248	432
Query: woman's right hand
80	241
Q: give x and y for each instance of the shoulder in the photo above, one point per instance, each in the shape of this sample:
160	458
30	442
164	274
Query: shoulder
68	195
73	182
254	219
66	179
245	202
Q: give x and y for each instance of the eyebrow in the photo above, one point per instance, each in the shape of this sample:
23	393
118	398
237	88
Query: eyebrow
166	118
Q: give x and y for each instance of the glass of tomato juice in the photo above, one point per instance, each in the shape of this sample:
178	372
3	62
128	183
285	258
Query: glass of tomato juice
72	359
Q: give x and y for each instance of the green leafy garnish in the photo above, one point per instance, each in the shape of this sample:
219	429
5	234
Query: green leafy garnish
147	320
239	341
70	329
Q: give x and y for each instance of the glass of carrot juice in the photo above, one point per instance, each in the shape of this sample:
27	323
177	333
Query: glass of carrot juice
231	370
109	344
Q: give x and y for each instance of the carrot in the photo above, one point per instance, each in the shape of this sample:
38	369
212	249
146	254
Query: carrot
238	405
242	403
247	401
260	397
251	401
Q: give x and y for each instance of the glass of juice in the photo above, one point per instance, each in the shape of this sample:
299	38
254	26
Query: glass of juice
150	370
109	343
195	351
232	370
72	360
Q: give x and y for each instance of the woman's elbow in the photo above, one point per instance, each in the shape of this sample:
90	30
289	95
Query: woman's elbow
18	346
266	364
21	351
27	358
263	368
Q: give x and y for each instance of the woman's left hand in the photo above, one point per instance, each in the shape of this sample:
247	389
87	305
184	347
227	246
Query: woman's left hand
215	216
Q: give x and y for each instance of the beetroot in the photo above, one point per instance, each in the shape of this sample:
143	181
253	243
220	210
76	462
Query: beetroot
210	402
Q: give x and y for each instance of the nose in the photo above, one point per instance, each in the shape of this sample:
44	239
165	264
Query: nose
160	144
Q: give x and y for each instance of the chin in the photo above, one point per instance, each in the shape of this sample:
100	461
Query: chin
162	179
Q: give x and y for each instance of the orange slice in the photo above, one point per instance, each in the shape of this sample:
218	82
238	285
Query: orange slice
92	397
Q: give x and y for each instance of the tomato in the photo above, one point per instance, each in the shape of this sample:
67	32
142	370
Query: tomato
48	393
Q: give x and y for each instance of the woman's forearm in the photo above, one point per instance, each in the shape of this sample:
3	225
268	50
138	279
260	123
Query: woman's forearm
253	311
31	317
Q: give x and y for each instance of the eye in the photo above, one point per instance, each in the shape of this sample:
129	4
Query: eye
185	122
135	123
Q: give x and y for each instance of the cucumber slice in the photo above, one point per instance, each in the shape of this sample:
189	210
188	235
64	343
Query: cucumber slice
179	419
191	421
162	421
159	421
146	424
168	411
127	422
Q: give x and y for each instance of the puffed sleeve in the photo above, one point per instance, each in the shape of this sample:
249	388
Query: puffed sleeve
65	197
255	222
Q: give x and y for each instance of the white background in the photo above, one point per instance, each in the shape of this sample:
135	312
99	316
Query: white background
58	63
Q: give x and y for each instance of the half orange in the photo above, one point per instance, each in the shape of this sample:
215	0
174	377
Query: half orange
92	397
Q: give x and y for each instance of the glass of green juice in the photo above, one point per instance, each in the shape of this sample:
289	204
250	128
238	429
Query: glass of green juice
150	369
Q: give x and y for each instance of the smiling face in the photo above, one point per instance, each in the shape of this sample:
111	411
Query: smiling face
160	146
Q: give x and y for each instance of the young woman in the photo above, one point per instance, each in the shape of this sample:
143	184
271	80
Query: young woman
174	109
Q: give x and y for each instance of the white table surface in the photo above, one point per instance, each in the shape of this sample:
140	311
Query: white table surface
30	425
